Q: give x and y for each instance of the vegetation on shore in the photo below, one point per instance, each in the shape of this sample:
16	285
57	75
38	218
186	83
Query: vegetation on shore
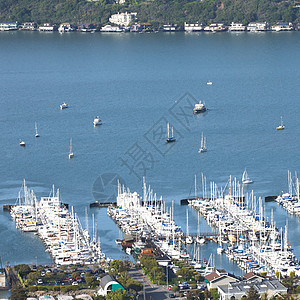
157	12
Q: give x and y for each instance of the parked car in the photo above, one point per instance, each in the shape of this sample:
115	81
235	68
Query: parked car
74	283
40	281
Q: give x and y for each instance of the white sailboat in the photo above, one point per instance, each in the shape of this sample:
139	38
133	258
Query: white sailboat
36	131
246	179
220	249
199	240
188	239
71	154
203	144
281	126
171	137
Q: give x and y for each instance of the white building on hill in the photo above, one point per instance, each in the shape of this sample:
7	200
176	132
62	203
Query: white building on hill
123	19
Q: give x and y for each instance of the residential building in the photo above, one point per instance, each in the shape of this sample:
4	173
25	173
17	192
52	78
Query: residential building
215	27
47	27
109	28
28	26
238	290
170	27
258	26
282	26
193	26
236	27
66	27
108	284
219	277
122	19
252	276
8	26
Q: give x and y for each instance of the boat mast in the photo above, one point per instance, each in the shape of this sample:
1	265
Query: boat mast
195	186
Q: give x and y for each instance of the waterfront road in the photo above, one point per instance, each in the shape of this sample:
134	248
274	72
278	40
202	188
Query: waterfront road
151	291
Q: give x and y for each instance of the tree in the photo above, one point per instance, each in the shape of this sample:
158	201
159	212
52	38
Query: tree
18	293
75	274
119	295
117	266
91	281
214	294
252	293
22	269
34	276
175	289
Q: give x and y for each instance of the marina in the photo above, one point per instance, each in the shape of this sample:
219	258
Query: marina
250	237
234	138
59	229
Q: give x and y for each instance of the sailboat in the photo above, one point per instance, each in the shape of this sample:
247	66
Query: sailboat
36	131
188	239
281	126
199	239
203	144
171	138
245	178
71	154
220	249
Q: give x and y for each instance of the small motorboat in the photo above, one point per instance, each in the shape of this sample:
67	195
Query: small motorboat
64	105
209	82
199	108
97	121
22	143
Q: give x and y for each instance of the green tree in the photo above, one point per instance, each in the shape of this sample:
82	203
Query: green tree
252	293
214	294
91	281
75	274
34	276
22	269
119	295
18	293
117	266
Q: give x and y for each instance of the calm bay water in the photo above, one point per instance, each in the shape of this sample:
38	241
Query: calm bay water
132	81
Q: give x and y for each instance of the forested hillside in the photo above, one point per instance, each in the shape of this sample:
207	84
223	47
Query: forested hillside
154	11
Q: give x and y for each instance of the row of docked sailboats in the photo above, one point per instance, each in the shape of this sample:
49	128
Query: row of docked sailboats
252	241
290	200
59	229
147	218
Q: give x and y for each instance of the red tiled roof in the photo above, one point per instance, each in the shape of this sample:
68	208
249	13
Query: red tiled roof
212	276
249	275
